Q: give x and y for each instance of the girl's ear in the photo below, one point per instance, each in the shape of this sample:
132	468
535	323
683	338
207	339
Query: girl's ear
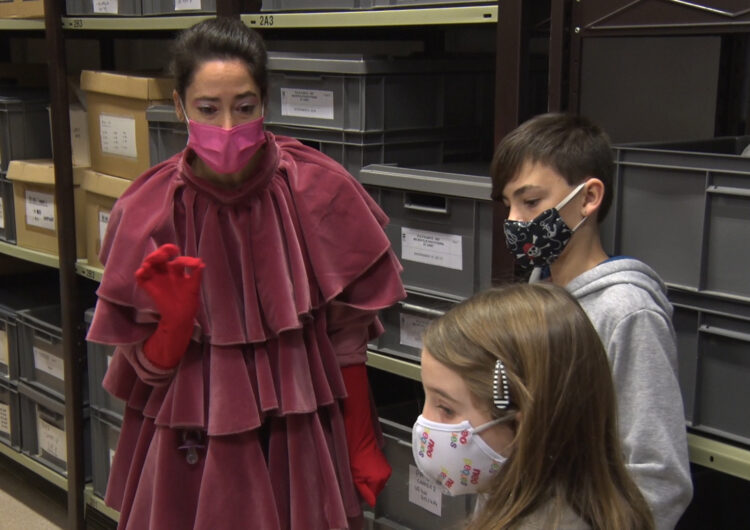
592	196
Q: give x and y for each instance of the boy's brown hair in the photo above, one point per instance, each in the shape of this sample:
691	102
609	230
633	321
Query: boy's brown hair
571	145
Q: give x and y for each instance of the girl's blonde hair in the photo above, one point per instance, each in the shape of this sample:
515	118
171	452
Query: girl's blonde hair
566	449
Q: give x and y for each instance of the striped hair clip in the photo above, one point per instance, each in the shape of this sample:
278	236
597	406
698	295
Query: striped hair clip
500	392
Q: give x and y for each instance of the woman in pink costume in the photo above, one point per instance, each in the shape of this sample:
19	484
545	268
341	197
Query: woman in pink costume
241	285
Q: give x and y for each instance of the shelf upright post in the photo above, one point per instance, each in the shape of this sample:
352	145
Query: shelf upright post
72	313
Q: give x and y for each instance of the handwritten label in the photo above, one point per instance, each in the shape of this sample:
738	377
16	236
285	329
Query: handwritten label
108	7
103	221
117	135
185	5
307	103
49	363
412	329
2	214
424	492
5	424
40	210
51	440
4	356
432	248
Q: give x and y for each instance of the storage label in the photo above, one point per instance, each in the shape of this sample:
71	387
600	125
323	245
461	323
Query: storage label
117	135
106	6
5	425
48	363
103	221
424	492
184	5
40	210
2	214
4	357
432	248
307	103
412	329
51	440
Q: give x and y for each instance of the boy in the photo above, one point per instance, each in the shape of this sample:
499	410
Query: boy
554	172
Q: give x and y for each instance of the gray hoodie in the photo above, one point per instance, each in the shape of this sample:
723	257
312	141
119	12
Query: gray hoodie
627	303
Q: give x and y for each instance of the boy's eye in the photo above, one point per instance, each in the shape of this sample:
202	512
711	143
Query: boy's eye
530	203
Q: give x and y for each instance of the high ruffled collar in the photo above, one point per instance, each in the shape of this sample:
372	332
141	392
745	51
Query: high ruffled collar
264	172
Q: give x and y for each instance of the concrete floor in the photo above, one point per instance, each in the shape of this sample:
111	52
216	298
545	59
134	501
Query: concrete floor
27	501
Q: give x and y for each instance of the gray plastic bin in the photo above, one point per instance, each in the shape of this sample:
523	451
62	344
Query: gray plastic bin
396	503
317	5
7	211
10	416
359	93
356	150
405	322
24	125
440	225
685	210
105	432
169	7
713	343
103	7
167	135
20	292
99	357
43	426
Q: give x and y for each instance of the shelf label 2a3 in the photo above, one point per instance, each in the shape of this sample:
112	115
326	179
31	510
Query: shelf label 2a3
265	20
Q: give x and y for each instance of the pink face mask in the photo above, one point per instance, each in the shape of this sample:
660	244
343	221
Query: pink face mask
226	150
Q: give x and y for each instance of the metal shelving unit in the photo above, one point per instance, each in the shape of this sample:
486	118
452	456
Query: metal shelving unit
34	256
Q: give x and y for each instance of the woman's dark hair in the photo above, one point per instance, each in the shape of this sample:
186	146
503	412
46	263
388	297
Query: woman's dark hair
218	38
571	145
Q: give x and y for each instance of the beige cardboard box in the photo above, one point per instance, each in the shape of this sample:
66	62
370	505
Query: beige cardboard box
22	8
118	129
79	134
36	210
101	192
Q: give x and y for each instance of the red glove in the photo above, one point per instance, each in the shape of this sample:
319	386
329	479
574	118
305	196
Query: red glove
175	292
370	469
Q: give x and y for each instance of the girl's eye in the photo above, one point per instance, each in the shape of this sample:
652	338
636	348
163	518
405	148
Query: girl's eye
445	411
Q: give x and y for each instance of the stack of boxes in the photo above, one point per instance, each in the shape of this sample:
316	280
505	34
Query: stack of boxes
306	5
22	9
684	209
441	230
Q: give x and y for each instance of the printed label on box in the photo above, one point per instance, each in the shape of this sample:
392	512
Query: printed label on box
117	135
412	329
424	492
51	440
108	7
103	221
432	248
307	103
2	214
48	363
5	425
40	210
183	5
4	356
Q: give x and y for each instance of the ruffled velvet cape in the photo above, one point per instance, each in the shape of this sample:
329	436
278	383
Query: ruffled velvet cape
297	265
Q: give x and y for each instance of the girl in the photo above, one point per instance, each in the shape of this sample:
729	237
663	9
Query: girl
520	407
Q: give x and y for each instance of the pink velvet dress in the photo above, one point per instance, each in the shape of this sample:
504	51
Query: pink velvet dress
247	431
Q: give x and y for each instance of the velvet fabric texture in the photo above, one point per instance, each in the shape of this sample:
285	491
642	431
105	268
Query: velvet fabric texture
296	267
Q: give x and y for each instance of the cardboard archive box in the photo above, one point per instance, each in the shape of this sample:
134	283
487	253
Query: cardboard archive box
22	9
101	192
36	210
118	129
